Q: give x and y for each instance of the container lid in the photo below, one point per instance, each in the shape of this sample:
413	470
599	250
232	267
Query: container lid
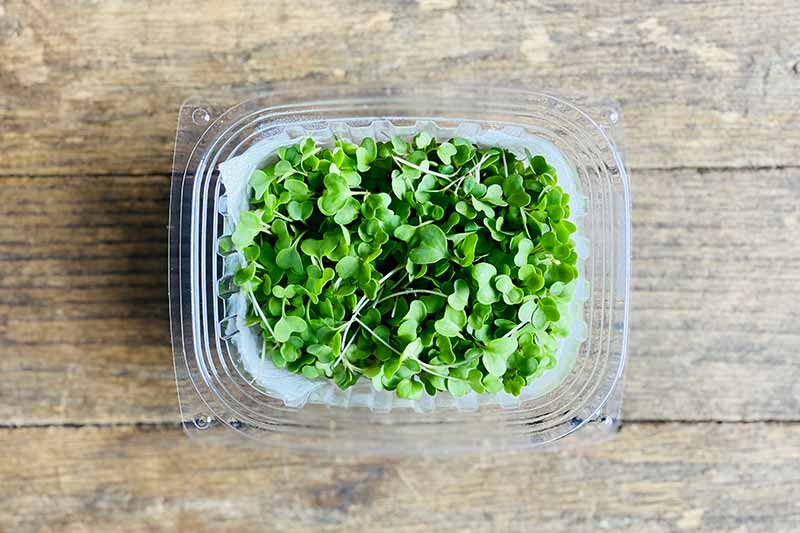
218	392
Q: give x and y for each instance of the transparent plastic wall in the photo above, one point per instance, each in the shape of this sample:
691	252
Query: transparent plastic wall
220	400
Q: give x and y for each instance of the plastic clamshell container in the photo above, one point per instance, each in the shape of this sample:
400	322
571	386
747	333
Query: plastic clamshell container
217	397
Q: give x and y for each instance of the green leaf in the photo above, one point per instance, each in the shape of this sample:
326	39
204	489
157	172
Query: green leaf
336	194
526	310
539	165
531	278
550	310
481	207
548	241
390	367
251	253
464	252
308	147
446	353
492	384
297	189
504	346
475	381
563	292
465	209
483	274
417	311
290	350
523	251
348	212
460	296
451	324
246	230
281	232
422	140
366	154
404	388
245	275
513	384
512	295
405	232
260	181
563	230
514	191
445	151
494	196
288	325
495	363
311	372
410	389
289	259
466	151
407	330
565	273
496	353
480	313
431	247
438	382
457	387
400	186
283	169
299	210
348	267
412	349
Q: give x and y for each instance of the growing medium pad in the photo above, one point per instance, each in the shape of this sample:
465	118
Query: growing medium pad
295	389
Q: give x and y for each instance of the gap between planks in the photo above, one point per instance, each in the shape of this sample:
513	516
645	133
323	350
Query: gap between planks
698	169
147	426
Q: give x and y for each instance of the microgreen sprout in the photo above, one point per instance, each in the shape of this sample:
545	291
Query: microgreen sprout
422	266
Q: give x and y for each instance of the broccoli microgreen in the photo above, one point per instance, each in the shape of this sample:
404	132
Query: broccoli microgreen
422	266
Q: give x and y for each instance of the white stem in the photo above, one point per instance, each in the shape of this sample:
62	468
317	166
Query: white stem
260	312
525	221
359	306
297	239
410	291
477	167
389	275
515	329
400	160
377	337
456	182
427	368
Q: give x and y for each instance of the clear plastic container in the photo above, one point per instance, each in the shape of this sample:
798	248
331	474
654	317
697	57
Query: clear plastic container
219	398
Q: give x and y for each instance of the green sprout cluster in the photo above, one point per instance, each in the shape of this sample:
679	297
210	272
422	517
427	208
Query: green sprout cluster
420	265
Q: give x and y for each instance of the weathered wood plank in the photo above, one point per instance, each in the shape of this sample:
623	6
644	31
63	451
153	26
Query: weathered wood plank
651	478
701	84
84	320
716	296
84	333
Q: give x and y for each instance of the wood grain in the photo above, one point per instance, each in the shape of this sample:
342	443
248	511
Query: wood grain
89	93
701	84
651	478
84	334
716	296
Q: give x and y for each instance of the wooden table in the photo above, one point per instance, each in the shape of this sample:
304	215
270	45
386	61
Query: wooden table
89	432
